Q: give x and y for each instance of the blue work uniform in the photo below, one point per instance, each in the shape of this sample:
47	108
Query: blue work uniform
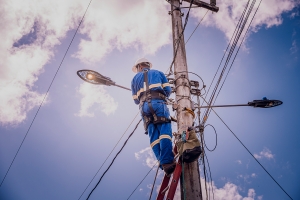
160	134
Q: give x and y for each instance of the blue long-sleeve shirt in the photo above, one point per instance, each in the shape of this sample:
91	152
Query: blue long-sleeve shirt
156	80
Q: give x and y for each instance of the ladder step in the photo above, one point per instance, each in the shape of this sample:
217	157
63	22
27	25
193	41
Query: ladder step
165	189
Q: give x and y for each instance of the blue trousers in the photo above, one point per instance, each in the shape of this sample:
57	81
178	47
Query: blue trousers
160	134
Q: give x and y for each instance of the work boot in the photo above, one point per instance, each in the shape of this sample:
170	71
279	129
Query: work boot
169	168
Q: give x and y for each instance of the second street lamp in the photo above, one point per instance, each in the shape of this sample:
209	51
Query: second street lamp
264	103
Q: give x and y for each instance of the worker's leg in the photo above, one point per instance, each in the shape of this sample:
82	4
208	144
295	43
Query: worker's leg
165	137
165	132
154	140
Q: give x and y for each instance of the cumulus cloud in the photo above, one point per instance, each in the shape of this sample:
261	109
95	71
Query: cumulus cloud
239	162
146	156
31	30
228	191
95	97
265	153
268	15
121	24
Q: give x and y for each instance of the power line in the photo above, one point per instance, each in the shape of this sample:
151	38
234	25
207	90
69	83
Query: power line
212	188
153	183
196	28
236	39
142	180
114	158
249	152
232	37
108	156
46	93
237	51
180	36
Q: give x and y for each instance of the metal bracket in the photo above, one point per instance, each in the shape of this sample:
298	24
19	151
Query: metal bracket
194	83
196	92
171	80
199	129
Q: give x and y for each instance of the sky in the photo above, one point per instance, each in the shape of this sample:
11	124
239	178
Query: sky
79	124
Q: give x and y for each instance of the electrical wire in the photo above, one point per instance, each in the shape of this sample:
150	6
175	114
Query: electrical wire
216	139
142	180
233	37
46	93
250	152
154	182
236	39
212	188
177	43
114	159
196	28
237	51
108	155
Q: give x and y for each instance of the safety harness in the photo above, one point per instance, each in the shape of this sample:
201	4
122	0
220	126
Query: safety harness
148	95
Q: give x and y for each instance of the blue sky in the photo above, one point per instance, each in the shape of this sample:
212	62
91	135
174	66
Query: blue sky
79	124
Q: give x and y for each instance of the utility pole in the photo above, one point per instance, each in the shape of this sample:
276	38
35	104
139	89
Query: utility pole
191	188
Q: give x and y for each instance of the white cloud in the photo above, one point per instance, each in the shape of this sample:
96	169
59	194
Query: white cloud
239	162
31	30
228	191
147	156
95	95
120	24
294	48
265	153
269	14
253	175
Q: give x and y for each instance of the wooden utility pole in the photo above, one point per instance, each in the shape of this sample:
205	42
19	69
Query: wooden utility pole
191	186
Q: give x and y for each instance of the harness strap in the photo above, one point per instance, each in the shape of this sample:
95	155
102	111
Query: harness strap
148	96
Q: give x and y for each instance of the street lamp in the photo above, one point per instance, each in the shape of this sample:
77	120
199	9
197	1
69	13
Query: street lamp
94	77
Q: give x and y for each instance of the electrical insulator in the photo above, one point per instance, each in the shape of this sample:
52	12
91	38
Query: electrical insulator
196	92
194	84
171	80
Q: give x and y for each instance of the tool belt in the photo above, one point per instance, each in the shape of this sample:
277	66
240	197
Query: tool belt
153	95
148	95
189	149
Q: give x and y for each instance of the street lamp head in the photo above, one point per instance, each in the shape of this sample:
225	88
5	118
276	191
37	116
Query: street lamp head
90	76
265	103
94	77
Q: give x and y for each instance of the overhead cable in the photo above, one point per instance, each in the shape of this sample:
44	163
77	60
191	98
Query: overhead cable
46	92
141	181
237	51
232	46
236	39
216	139
114	159
211	181
177	43
226	49
154	182
196	28
250	152
108	156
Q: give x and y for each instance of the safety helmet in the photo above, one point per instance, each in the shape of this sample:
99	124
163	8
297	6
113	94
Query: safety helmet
141	60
